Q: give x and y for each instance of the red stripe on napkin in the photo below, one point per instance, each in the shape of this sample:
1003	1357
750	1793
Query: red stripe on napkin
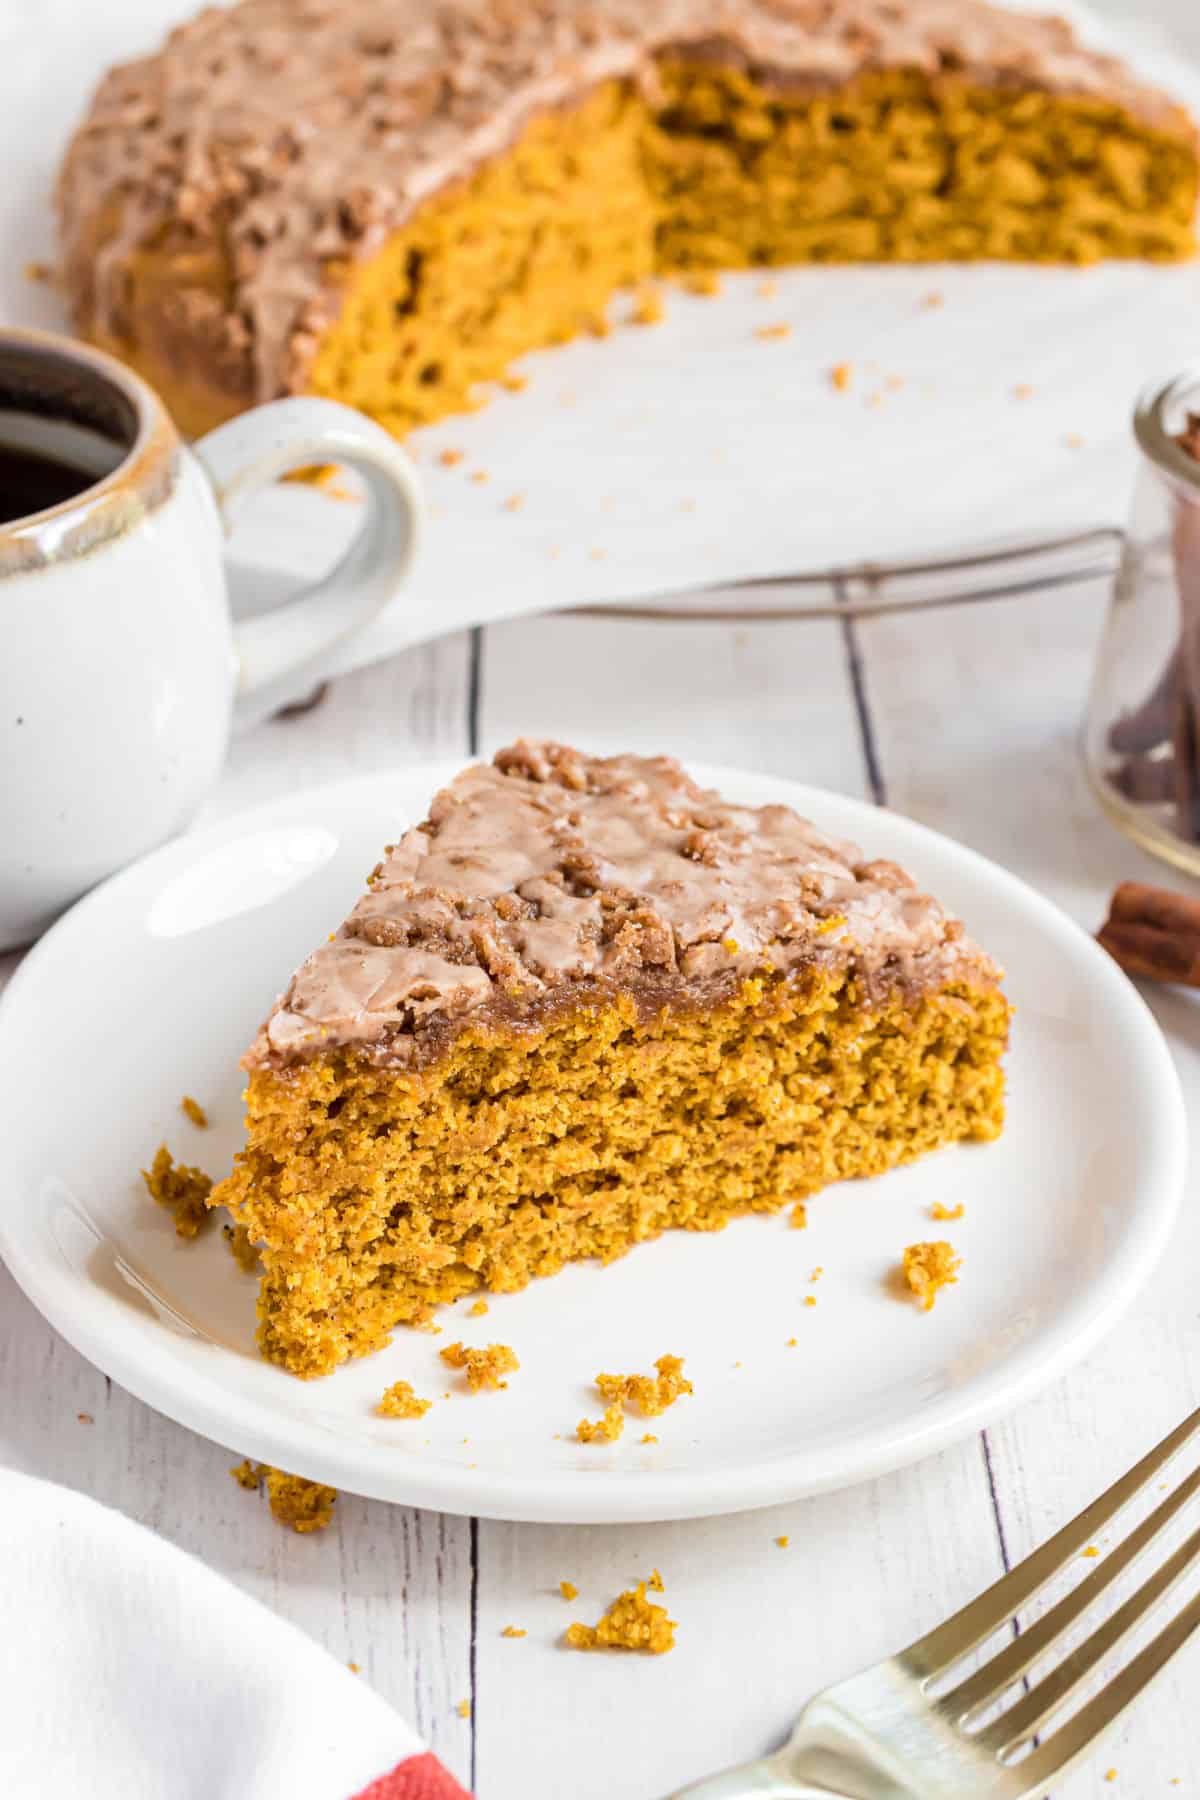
418	1778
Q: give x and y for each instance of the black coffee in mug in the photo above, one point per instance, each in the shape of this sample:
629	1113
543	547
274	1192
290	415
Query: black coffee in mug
62	429
29	483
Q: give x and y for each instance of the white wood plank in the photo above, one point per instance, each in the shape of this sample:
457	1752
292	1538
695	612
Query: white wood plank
386	1587
976	715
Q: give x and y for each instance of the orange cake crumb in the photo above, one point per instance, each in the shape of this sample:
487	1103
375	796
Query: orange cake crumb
771	334
463	1709
631	1623
477	1311
791	1343
243	1251
648	1438
449	459
650	1394
783	1541
841	375
193	1110
353	1668
183	1191
514	503
648	308
85	1418
943	1214
514	1631
810	1299
934	299
484	1367
605	1430
568	1590
294	1500
655	1583
817	1273
1092	1550
798	1217
702	281
1023	391
930	1267
400	1402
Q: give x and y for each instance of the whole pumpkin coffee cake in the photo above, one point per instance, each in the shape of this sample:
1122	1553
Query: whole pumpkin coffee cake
387	201
583	1001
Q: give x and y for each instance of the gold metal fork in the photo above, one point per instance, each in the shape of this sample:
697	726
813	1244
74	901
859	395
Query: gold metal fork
914	1728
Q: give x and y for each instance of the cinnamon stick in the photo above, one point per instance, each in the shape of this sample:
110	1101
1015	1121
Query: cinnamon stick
1154	933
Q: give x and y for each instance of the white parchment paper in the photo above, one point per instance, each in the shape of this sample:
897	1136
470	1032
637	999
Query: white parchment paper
696	450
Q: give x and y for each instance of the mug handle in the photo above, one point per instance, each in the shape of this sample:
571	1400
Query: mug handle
251	452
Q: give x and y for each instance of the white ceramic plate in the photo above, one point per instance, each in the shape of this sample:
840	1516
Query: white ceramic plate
151	987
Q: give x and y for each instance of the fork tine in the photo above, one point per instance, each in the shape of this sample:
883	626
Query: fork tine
966	1629
1014	1726
993	1679
1080	1732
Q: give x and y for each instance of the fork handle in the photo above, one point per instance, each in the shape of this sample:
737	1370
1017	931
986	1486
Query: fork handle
763	1780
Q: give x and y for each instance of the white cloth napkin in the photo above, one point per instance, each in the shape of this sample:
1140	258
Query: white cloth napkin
129	1671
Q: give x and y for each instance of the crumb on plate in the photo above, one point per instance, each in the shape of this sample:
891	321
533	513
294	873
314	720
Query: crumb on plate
514	1631
650	1394
400	1402
798	1218
477	1311
568	1590
605	1430
841	375
483	1367
773	334
192	1109
182	1190
928	1268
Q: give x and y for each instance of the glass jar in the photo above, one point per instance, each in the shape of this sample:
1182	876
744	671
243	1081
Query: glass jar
1142	733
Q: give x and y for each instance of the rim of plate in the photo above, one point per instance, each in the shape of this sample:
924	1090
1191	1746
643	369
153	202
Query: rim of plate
251	1427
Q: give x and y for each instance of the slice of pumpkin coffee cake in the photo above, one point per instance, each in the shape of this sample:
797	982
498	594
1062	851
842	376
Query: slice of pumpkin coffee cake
583	1001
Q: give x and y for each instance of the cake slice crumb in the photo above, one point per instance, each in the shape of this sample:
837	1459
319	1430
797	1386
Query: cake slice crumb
182	1190
945	1214
192	1109
798	1217
463	1709
783	1541
841	376
514	1631
648	1438
773	334
477	1311
483	1367
568	1590
928	1268
400	1402
85	1418
655	1583
631	1623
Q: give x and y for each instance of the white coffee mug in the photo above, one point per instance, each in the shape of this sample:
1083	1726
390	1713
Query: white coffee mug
120	669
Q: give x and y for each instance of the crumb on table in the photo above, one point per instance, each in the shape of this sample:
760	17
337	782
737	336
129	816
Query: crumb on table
928	1268
798	1218
841	375
477	1311
192	1109
85	1418
783	1541
483	1367
631	1623
400	1402
655	1583
773	334
450	459
650	1394
241	1247
514	1631
182	1190
463	1709
943	1214
568	1590
647	1437
304	1505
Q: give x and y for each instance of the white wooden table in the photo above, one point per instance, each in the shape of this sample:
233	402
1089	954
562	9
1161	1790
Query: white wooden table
966	720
